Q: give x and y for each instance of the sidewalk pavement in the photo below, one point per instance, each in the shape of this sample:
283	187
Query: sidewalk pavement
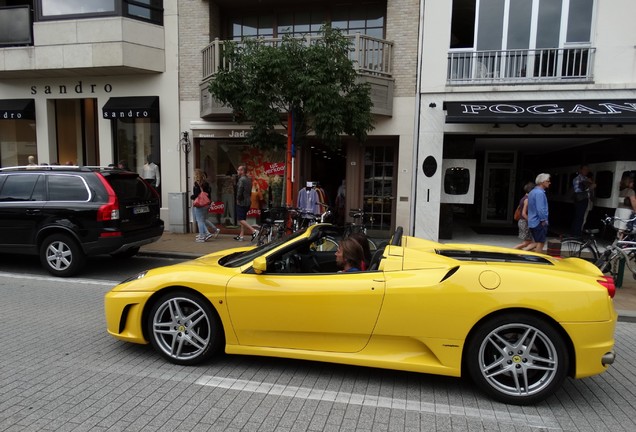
183	246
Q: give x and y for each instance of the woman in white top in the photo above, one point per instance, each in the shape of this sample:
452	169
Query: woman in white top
626	204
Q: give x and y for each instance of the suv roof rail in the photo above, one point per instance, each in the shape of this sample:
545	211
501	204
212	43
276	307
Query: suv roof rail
60	168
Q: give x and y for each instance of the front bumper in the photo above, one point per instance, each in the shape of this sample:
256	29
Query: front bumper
124	315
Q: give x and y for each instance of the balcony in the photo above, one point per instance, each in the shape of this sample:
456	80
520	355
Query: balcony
372	59
533	66
109	45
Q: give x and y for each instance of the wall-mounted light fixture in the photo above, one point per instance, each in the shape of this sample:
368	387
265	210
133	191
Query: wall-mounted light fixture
432	105
185	143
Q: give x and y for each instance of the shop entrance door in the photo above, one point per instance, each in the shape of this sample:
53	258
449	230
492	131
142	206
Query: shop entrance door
76	131
498	188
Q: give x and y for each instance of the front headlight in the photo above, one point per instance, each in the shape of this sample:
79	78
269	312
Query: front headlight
135	277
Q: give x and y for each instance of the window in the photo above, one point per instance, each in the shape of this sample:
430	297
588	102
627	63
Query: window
50	8
604	184
18	188
367	19
67	188
520	38
143	10
137	141
17	142
520	24
456	181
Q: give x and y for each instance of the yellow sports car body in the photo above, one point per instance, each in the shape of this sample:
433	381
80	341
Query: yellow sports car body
518	323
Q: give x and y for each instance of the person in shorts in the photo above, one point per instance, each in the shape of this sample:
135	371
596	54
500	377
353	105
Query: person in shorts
243	202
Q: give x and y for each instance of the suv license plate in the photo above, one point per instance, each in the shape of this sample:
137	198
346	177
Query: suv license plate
141	209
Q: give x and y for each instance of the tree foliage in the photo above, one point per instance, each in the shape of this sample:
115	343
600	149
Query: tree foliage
263	81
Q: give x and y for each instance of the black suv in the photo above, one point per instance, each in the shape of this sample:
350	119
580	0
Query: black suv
64	214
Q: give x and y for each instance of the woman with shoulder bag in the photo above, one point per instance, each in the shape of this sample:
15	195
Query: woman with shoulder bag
200	205
524	232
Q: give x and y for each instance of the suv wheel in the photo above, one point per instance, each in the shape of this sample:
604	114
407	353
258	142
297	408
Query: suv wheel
61	255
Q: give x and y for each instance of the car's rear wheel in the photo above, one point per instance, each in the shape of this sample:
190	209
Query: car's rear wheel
61	255
184	329
517	359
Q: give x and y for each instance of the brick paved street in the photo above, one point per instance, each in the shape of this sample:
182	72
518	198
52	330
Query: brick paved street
61	371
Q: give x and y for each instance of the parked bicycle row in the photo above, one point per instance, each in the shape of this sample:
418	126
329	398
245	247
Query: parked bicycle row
278	222
612	258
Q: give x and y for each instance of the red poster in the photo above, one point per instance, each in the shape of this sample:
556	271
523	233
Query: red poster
217	207
274	168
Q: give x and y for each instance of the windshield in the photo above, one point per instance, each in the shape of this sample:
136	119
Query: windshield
242	258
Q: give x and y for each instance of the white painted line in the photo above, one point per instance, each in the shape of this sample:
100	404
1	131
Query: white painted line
58	279
532	421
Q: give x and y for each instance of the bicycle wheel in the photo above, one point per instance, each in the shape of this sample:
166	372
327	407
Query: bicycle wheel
264	234
326	244
578	249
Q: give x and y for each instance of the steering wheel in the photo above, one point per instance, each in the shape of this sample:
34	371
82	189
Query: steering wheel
292	263
396	240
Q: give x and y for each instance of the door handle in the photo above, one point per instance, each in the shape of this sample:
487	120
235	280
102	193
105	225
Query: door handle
32	212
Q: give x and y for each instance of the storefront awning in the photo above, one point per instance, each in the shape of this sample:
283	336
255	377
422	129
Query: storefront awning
17	109
132	107
600	111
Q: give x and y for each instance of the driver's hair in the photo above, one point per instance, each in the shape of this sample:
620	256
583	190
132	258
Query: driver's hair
352	252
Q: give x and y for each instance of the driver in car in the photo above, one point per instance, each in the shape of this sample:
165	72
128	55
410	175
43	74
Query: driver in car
349	255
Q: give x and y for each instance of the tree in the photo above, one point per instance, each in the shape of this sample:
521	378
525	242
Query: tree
262	82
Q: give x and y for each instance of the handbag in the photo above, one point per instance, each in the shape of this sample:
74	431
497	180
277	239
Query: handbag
202	200
517	214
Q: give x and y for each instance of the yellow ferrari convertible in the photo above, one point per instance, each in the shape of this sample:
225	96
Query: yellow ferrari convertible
517	323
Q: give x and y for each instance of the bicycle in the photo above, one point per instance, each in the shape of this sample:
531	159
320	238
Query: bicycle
588	249
620	254
358	227
273	225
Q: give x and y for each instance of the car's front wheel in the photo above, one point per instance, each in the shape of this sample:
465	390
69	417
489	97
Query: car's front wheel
184	329
61	255
517	359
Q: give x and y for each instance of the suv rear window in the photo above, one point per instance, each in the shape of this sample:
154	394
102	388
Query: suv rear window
20	188
67	188
129	187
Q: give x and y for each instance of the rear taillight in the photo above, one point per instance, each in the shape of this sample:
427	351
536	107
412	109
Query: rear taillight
110	210
608	283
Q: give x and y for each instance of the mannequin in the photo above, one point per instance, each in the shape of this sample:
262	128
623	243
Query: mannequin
151	172
307	200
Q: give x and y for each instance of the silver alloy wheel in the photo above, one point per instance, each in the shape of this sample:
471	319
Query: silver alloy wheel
182	328
59	255
518	360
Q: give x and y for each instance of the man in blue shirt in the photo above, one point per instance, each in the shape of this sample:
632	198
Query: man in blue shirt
538	211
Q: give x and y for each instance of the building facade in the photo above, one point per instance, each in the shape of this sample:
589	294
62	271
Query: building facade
377	173
91	83
509	89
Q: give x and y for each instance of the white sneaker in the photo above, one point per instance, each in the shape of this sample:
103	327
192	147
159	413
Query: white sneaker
207	237
199	240
216	233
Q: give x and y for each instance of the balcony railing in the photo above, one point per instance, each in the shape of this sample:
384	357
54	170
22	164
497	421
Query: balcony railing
554	65
371	56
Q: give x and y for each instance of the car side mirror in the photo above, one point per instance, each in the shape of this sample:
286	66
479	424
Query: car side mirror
260	265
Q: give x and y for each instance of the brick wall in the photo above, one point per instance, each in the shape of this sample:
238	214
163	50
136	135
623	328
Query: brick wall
402	26
198	25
